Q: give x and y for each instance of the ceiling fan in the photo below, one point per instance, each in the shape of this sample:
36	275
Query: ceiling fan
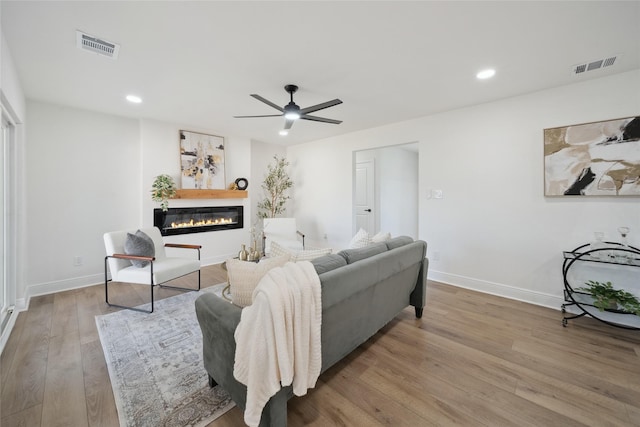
293	112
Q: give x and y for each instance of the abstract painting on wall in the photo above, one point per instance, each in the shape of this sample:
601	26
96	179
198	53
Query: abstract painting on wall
593	159
202	161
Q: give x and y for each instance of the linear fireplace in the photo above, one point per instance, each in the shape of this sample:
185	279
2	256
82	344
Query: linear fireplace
197	220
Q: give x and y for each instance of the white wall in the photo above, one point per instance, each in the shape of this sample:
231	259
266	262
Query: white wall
82	179
11	91
494	230
397	170
88	173
160	155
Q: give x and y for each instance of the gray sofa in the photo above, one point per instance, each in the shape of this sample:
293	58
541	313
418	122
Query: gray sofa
362	290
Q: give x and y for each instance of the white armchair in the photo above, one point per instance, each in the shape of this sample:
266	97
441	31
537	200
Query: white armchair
281	230
159	268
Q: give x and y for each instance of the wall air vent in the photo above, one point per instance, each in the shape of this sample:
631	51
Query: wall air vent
593	65
93	44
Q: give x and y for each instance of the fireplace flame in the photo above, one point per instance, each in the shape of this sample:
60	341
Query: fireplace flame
202	223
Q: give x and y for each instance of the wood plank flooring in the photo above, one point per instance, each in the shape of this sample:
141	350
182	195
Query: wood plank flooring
472	360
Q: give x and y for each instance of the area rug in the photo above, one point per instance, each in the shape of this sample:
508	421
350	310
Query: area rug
155	365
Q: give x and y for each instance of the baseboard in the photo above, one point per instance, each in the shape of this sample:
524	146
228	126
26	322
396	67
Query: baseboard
498	289
82	282
58	286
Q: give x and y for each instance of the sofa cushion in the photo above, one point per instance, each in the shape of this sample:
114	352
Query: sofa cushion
328	263
396	242
295	256
139	244
245	275
353	255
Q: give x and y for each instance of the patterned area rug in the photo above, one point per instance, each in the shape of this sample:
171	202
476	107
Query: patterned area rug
155	365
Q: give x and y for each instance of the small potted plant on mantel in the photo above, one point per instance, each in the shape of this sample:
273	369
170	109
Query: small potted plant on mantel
163	189
605	297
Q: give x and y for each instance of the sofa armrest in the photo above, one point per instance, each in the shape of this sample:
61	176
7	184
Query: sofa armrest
218	321
419	295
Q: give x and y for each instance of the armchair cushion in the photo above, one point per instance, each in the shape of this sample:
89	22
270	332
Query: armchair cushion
139	244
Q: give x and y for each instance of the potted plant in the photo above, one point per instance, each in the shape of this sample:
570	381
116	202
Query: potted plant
275	185
163	189
607	297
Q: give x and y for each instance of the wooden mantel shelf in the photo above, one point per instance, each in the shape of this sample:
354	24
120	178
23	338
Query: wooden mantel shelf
211	194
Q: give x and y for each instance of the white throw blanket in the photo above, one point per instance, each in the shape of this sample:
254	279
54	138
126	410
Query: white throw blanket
278	337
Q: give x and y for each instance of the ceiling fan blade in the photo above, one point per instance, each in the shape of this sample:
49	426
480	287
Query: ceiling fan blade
320	119
320	106
268	115
288	124
266	101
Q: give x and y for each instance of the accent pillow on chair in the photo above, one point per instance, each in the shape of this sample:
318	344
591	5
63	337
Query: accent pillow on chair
139	244
245	275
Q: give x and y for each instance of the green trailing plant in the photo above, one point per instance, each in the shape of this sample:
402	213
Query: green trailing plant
607	297
275	186
163	189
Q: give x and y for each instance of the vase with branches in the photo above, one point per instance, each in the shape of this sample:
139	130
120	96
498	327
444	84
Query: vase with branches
275	185
162	190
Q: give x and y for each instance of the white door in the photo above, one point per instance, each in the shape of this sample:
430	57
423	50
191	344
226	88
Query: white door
365	196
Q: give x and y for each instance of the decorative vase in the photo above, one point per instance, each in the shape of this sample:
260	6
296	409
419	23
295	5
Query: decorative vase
598	244
243	255
622	256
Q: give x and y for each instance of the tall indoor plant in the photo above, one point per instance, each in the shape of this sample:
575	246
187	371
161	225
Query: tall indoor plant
163	189
275	186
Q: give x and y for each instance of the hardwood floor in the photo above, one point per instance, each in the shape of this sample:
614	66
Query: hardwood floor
472	360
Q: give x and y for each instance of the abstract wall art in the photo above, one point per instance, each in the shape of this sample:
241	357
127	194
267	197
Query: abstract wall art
201	161
593	159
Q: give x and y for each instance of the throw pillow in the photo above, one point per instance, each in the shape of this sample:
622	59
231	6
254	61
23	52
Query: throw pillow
245	275
360	240
381	237
139	244
277	250
295	256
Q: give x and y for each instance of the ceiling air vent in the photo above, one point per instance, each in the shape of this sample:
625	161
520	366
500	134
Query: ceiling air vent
96	45
593	65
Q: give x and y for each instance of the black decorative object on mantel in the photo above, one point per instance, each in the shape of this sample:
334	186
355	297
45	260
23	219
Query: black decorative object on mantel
242	183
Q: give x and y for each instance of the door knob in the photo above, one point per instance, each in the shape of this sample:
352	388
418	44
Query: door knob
367	210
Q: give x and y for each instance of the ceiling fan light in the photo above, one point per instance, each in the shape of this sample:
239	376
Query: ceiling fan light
292	115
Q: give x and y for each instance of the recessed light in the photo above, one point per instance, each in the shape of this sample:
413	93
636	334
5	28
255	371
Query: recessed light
486	74
284	132
134	99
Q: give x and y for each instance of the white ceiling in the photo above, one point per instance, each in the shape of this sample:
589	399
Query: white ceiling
195	63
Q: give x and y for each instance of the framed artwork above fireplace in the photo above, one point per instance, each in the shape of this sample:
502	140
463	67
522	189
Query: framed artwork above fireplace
201	161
